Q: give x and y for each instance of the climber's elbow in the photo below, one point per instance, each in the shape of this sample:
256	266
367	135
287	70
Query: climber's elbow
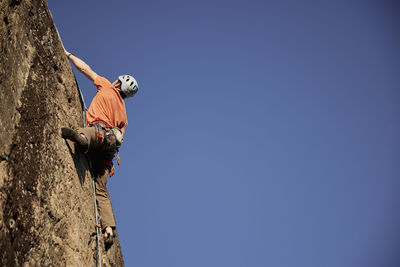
89	73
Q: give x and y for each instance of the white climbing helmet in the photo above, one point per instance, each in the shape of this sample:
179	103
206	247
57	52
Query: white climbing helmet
128	85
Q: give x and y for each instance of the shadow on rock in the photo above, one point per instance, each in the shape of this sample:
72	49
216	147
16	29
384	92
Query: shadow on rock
80	161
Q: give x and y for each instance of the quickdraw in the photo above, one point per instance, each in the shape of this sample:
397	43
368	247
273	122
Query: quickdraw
102	131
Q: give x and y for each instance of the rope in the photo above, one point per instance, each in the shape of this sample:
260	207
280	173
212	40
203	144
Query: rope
96	215
97	226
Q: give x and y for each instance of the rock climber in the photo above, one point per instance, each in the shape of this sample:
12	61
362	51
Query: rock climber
106	121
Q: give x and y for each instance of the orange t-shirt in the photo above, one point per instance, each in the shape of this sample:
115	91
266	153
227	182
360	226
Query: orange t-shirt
107	105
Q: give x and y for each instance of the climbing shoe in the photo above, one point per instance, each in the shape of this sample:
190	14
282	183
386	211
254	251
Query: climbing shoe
71	134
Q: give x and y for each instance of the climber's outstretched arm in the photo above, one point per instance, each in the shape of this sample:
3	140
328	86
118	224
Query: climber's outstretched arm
81	66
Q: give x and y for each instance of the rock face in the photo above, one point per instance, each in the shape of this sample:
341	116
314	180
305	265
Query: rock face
46	190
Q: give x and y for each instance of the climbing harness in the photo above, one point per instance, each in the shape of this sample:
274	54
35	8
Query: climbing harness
97	223
110	140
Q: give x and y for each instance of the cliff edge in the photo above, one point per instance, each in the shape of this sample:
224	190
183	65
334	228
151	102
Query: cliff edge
46	191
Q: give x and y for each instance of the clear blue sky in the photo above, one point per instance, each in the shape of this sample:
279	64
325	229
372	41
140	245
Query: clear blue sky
264	133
